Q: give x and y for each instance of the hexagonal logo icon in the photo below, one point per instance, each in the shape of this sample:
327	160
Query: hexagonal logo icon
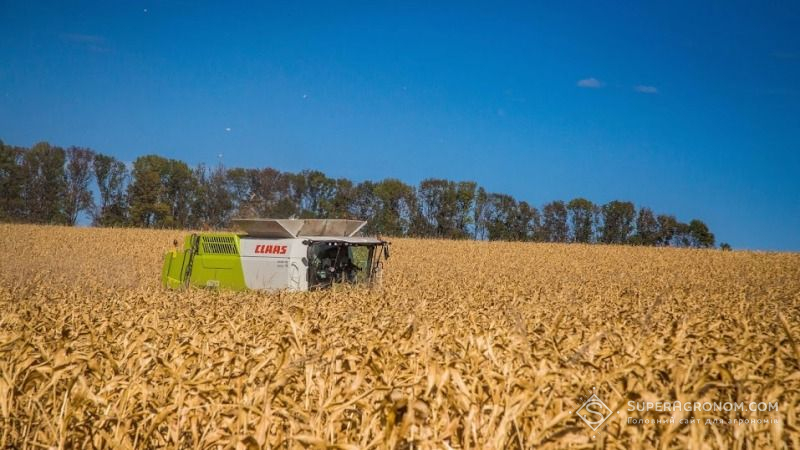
594	412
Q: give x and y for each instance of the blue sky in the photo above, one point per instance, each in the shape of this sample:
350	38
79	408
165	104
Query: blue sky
691	108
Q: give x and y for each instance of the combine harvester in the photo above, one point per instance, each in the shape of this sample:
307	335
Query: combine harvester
274	254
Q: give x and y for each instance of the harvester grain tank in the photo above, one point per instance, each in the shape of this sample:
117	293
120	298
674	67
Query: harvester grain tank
275	254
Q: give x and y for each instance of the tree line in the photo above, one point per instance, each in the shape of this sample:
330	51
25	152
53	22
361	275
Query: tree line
49	184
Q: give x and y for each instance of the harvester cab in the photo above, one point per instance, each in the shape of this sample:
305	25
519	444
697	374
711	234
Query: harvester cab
274	254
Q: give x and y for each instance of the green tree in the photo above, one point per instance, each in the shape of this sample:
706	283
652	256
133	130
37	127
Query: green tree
526	224
436	208
11	182
148	207
617	222
315	190
500	213
213	204
112	178
365	205
275	194
683	236
667	229
396	204
464	208
43	184
554	221
702	237
78	173
239	181
646	228
338	206
161	192
581	216
479	214
446	207
179	184
504	219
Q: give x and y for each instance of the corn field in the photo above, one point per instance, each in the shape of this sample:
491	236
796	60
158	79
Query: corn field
468	345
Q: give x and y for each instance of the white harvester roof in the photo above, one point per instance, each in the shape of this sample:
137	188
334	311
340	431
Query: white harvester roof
316	229
348	239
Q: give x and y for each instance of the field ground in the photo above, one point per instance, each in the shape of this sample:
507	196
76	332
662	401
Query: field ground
466	345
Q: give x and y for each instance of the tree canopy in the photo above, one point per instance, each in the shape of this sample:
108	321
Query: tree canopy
47	184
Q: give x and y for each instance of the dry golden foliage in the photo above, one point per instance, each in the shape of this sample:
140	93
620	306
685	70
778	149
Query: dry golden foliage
466	345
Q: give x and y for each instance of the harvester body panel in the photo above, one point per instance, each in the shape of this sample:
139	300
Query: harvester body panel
274	263
172	271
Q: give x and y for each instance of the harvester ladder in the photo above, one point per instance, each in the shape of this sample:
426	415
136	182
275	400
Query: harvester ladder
187	275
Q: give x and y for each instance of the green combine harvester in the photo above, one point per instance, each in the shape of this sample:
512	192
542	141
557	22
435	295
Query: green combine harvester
275	254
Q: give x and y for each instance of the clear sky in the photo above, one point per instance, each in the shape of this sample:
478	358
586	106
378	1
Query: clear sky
691	108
